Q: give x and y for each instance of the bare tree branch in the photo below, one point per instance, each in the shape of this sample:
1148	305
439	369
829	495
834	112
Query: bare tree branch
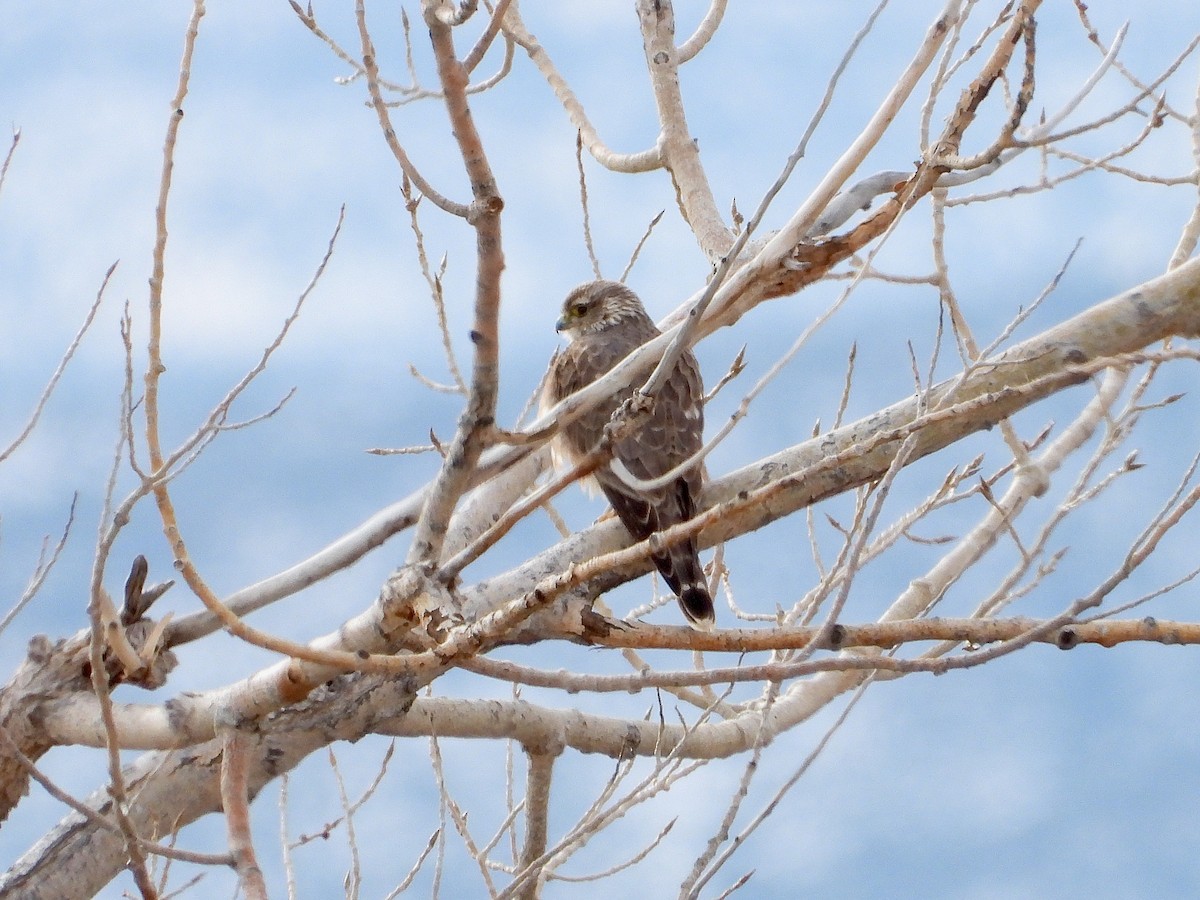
487	601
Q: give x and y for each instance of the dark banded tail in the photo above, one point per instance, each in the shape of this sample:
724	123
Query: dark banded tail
680	567
698	607
680	564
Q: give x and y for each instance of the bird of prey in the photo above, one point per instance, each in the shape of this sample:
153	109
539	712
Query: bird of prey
606	321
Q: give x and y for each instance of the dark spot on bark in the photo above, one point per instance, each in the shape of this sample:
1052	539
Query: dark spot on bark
837	634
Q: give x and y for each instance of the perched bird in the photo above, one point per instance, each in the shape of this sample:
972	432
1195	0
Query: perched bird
606	322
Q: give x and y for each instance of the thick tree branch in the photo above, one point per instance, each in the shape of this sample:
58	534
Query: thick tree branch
861	452
680	154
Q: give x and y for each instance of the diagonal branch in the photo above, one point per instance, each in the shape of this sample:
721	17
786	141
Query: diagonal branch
680	154
643	161
1110	333
478	417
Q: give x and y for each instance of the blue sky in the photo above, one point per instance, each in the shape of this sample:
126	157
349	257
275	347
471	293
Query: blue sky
1049	773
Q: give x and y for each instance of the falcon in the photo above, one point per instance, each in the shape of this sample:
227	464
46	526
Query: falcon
606	321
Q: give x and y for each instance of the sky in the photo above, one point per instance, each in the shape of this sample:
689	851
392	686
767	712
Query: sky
1045	773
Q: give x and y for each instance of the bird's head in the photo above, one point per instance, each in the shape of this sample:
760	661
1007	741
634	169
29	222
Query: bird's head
597	305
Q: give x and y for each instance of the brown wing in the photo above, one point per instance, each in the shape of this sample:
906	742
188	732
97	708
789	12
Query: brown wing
674	432
675	428
582	362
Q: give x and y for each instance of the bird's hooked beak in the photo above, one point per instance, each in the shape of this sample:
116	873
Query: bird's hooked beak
561	325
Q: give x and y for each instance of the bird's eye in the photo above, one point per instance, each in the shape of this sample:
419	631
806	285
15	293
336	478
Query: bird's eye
578	309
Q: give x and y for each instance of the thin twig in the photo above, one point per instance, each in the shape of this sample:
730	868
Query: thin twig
353	880
8	157
583	205
623	864
101	820
703	867
285	844
411	204
371	69
769	809
640	244
643	161
408	879
472	59
42	570
32	421
196	443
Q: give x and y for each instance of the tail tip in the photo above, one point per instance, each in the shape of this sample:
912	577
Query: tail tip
697	606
